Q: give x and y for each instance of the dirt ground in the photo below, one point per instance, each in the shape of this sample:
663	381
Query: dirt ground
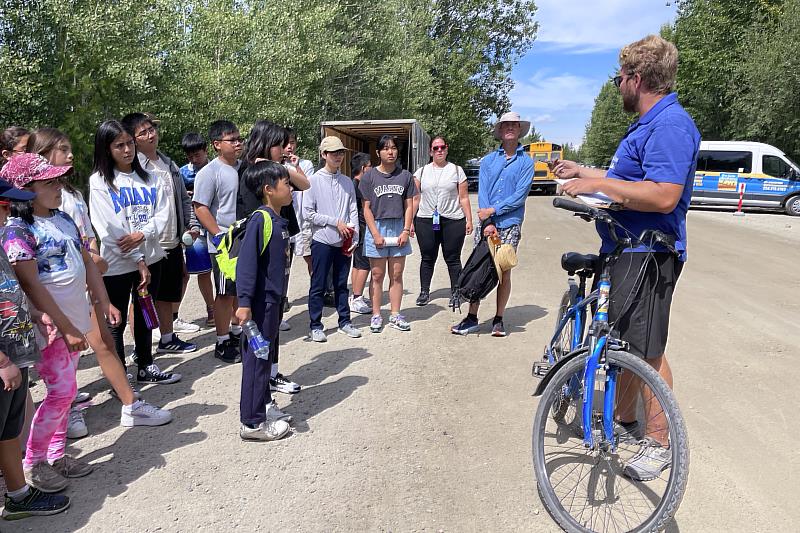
427	431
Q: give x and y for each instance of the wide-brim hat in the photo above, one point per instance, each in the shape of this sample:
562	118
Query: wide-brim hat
22	169
511	116
504	258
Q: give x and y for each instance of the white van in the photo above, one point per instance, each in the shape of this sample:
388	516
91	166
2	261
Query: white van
770	178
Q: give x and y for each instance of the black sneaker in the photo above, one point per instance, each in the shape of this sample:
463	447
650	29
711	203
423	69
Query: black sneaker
465	327
176	346
36	503
281	383
423	298
236	341
227	352
329	300
153	374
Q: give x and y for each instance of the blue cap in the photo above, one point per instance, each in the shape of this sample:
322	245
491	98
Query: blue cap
12	193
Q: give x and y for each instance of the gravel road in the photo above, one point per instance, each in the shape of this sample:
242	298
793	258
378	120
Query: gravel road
427	431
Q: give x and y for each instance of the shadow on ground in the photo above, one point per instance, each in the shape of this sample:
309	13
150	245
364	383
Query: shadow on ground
316	396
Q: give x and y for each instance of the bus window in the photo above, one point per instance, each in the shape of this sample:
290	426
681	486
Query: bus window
540	156
774	166
724	161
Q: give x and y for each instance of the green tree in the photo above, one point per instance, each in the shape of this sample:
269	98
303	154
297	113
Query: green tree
766	101
606	127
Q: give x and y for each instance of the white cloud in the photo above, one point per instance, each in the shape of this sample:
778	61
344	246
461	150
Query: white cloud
545	94
543	119
591	26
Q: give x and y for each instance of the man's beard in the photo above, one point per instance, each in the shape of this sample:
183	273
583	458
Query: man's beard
629	102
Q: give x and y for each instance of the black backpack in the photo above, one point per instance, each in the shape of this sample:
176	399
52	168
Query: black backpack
478	277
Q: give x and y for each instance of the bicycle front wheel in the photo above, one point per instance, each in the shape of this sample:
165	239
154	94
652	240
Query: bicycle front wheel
632	482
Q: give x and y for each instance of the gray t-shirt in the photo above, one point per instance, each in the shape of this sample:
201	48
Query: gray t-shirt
216	187
17	336
386	192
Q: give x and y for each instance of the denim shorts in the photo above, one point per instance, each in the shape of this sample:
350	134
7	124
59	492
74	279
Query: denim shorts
388	227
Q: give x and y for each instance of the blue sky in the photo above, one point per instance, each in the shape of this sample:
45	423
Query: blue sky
575	52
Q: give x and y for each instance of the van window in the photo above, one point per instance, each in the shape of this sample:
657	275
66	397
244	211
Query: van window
724	161
774	166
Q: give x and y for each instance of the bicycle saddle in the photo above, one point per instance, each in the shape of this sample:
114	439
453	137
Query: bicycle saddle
573	262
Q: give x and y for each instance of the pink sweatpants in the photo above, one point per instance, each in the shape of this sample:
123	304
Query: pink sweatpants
48	436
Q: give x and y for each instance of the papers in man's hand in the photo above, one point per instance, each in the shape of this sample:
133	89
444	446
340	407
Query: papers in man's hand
599	200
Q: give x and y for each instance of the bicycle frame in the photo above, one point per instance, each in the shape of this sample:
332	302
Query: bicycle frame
575	312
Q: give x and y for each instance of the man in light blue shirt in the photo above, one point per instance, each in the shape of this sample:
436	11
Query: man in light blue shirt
503	184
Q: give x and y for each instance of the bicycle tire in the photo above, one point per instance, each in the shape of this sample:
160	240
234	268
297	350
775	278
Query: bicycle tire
616	481
563	344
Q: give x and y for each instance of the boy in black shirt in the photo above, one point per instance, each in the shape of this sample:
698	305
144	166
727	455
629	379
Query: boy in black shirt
261	283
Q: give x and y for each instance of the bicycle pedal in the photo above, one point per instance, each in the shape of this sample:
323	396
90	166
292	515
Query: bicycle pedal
540	369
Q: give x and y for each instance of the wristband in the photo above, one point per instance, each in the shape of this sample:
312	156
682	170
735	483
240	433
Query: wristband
7	363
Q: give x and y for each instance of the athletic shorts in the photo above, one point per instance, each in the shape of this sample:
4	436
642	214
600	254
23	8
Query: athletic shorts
645	324
302	241
510	235
12	409
171	283
222	285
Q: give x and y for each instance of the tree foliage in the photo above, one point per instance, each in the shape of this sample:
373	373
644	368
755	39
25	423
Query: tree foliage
738	74
606	127
73	63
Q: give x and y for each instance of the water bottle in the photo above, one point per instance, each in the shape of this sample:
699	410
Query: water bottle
436	219
148	309
604	288
258	344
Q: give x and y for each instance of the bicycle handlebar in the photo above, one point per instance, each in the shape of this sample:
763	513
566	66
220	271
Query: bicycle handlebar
575	207
652	235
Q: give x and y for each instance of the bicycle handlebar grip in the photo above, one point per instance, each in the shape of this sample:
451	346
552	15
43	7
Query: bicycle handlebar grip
575	207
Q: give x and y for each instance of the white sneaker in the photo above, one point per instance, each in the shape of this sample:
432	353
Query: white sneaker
351	331
360	306
76	426
285	326
274	413
265	431
81	397
181	326
143	414
317	335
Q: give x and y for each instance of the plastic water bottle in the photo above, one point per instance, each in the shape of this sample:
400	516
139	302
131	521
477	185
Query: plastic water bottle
258	344
148	309
604	288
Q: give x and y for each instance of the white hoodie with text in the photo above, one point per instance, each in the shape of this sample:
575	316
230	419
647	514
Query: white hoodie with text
131	205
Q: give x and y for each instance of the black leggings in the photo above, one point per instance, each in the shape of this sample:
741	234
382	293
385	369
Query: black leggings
120	289
450	237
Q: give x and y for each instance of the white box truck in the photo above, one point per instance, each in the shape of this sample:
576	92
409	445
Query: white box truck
363	135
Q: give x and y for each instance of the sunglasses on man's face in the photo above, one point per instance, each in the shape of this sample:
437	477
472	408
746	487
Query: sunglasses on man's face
439	148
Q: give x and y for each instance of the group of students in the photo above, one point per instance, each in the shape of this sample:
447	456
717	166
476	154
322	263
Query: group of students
75	274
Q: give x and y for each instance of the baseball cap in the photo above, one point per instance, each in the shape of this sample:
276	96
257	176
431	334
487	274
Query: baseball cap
22	169
331	144
10	192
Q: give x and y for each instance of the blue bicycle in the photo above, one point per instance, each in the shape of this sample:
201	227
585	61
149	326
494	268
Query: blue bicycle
595	472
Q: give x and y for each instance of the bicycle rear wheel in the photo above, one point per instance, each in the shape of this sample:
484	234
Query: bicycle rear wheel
634	482
563	343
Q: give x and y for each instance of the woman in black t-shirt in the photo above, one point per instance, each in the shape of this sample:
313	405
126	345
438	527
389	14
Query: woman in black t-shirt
267	141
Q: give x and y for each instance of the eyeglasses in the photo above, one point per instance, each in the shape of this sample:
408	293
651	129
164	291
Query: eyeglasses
146	133
439	148
237	140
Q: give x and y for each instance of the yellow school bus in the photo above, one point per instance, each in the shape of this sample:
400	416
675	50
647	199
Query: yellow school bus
541	153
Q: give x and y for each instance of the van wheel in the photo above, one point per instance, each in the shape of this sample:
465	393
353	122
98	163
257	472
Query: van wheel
792	206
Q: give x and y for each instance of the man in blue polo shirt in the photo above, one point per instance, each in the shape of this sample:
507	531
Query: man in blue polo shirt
504	180
651	176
